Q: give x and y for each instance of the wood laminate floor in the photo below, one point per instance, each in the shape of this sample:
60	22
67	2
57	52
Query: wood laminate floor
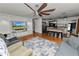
46	36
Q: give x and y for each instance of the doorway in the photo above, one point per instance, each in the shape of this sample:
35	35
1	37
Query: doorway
77	29
33	25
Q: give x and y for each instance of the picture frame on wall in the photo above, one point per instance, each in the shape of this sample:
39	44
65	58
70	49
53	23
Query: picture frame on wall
19	26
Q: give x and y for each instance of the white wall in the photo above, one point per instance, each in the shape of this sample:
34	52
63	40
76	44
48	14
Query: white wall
66	20
38	25
6	27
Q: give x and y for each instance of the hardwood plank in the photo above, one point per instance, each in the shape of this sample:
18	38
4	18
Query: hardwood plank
45	36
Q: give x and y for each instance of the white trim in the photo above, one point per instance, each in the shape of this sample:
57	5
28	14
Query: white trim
76	26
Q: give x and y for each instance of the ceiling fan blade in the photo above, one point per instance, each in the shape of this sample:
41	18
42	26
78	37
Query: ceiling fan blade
50	10
43	13
42	7
40	14
30	7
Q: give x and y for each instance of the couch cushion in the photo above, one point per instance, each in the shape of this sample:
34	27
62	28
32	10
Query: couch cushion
13	47
66	50
73	42
78	50
18	50
21	51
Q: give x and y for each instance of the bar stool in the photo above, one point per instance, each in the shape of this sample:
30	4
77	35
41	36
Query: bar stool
53	34
49	33
58	35
61	35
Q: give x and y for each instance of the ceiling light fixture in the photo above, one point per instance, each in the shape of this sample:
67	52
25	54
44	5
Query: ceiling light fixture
36	5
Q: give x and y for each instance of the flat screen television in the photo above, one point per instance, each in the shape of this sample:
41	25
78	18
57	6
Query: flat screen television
18	25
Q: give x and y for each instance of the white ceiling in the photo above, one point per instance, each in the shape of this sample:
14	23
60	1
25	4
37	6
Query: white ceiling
62	9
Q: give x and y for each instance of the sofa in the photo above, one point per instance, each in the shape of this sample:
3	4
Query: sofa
69	47
15	49
18	49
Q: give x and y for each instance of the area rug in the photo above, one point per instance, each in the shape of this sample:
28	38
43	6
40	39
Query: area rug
41	47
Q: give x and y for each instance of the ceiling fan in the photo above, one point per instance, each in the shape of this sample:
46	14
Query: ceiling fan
40	11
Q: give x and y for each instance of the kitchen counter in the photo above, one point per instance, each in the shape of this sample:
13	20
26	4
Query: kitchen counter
61	30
